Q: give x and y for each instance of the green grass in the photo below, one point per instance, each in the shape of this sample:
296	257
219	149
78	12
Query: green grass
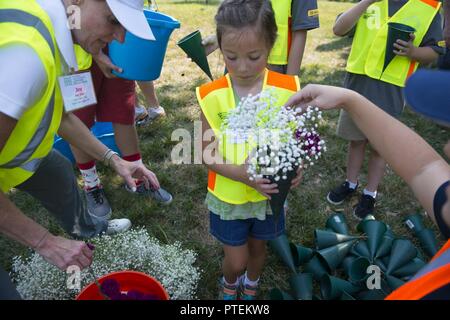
186	219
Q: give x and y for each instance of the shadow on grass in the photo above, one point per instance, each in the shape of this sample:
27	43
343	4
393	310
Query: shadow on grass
321	74
335	44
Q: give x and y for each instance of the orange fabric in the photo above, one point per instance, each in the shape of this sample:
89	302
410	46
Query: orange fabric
215	85
443	249
411	69
279	80
211	180
432	3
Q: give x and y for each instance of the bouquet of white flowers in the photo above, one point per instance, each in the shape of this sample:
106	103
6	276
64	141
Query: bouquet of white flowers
280	140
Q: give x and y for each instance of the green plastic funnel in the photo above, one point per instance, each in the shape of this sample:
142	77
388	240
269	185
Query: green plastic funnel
325	239
332	287
280	246
428	241
302	285
278	294
338	223
403	251
300	254
192	46
414	222
335	255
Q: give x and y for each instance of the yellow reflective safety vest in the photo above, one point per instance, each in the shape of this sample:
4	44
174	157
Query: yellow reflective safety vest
84	59
369	43
280	51
216	99
25	22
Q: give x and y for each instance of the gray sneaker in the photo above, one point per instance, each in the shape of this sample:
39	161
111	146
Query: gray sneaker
97	204
160	195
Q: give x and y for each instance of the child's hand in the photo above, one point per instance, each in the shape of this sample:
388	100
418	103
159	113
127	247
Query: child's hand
210	44
264	187
405	49
296	181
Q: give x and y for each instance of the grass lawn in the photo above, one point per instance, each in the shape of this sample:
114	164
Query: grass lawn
186	219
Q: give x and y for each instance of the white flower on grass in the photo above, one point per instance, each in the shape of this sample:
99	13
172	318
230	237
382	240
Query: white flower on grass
136	250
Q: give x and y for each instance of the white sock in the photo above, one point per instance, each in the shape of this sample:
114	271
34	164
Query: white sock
249	282
231	284
352	185
372	194
90	177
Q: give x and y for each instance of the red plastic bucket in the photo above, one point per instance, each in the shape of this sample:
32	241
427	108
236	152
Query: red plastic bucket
128	280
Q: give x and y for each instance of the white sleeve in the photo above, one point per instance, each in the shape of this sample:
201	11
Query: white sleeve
22	79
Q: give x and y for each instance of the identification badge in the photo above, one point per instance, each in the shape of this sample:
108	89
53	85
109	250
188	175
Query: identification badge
77	91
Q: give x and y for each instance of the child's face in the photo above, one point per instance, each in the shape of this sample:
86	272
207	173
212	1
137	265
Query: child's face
245	53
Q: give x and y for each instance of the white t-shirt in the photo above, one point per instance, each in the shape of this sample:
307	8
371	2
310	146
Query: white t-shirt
22	75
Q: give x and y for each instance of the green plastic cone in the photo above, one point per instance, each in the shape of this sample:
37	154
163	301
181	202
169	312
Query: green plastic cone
317	267
414	222
375	231
335	255
381	264
280	246
338	223
409	269
278	294
386	244
192	46
332	287
369	217
394	282
395	31
302	285
357	269
277	200
428	241
361	249
402	252
300	254
325	239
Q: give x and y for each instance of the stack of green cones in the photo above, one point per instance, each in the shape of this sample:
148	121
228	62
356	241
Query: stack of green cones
278	294
394	282
361	249
332	287
411	268
375	231
300	254
281	247
302	286
317	267
337	223
335	255
428	241
325	239
403	251
386	244
356	268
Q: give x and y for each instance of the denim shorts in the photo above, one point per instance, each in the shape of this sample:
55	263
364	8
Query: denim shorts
237	232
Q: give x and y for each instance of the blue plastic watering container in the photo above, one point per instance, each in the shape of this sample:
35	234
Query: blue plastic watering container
143	59
102	130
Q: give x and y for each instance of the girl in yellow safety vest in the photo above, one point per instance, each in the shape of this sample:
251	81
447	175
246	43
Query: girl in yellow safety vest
382	83
240	216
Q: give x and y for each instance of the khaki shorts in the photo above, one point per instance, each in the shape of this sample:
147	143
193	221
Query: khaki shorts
347	129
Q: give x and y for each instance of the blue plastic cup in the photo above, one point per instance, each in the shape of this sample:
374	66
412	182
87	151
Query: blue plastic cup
142	59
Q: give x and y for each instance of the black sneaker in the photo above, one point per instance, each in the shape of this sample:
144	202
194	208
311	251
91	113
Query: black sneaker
339	194
364	207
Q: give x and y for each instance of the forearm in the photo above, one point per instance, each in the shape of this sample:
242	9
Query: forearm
349	18
424	55
77	134
297	50
16	226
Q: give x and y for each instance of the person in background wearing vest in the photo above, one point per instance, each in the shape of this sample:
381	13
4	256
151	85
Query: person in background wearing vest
425	171
367	21
116	99
294	18
240	216
36	49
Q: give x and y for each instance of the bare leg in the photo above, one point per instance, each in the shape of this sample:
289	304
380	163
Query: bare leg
355	159
235	262
126	139
376	171
257	257
148	90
